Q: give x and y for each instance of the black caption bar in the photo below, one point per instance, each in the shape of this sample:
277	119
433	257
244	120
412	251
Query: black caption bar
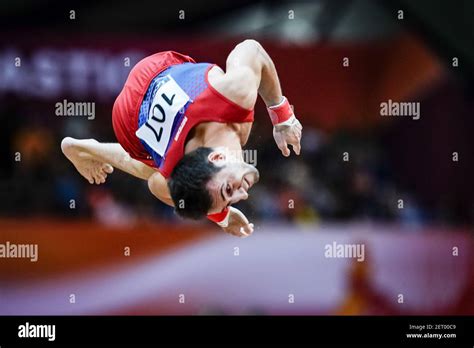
133	330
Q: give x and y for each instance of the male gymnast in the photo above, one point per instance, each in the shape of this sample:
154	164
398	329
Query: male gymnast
181	126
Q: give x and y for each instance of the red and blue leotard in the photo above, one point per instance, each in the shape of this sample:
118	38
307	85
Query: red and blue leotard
138	103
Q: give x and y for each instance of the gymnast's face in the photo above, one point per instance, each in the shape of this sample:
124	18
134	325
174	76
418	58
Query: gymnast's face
232	183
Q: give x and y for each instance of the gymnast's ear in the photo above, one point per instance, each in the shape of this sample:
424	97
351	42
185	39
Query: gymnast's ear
217	155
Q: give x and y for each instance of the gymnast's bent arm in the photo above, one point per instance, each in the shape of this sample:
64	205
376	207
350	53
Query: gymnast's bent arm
251	72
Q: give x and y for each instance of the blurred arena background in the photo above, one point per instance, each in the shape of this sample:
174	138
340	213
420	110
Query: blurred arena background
118	250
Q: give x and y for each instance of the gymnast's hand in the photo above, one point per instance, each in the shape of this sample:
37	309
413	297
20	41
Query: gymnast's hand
238	224
288	133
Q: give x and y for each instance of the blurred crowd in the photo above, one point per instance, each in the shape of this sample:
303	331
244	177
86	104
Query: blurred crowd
343	176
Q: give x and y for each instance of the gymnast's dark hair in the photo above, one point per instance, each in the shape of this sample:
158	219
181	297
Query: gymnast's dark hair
188	182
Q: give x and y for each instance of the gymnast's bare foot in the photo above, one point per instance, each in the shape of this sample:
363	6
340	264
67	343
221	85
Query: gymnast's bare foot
91	169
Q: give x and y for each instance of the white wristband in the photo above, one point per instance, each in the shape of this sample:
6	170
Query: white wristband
225	222
288	122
